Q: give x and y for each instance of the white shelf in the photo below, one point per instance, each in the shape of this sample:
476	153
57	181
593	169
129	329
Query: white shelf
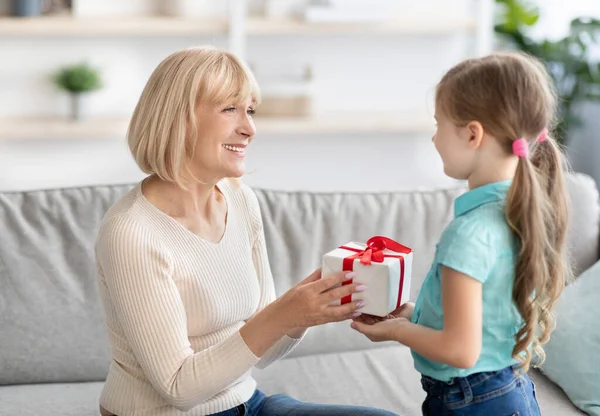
55	128
136	26
172	26
264	27
39	128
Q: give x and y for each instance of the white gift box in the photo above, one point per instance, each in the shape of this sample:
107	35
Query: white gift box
386	271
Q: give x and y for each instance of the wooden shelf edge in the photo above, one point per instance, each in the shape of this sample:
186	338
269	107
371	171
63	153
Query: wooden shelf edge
150	26
263	27
174	26
57	128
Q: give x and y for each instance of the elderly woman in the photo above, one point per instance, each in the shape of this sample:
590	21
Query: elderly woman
182	263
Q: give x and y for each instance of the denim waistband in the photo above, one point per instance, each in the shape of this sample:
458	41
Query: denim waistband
460	384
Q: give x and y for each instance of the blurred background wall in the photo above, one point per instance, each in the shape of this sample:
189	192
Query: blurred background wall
358	83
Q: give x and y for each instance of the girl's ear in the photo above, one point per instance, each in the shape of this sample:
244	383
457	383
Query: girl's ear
475	134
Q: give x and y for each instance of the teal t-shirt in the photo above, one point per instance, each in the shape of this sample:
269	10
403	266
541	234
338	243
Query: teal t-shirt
479	243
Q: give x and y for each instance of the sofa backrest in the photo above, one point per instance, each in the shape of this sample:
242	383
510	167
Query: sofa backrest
51	321
300	226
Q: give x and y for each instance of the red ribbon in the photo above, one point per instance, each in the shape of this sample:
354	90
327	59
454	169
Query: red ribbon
374	253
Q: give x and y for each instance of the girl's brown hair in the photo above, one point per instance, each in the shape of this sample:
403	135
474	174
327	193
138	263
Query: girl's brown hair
512	96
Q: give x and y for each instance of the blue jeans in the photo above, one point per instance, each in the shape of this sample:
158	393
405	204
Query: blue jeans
281	405
498	393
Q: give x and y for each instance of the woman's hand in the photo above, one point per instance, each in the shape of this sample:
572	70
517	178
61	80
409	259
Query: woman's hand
306	304
309	302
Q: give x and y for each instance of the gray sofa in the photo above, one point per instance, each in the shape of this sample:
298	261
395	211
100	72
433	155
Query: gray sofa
54	353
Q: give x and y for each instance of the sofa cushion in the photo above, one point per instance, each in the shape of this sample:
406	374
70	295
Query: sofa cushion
572	352
301	226
584	227
552	399
76	399
382	376
51	319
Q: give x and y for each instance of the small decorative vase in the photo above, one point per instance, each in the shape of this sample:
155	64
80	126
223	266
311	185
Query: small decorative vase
78	100
27	8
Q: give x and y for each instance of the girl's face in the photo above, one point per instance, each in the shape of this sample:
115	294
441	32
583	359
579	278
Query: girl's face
454	144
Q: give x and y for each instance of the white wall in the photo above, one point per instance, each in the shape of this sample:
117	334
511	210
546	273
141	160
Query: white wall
27	65
324	164
352	73
357	73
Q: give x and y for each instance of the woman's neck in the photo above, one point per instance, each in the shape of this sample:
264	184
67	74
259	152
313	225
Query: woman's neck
198	199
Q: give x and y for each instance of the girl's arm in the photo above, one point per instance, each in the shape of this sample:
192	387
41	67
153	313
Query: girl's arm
458	343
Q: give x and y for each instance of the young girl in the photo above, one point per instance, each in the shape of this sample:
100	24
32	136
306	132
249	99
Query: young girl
500	264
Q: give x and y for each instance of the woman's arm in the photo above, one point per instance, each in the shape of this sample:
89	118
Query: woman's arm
137	276
458	344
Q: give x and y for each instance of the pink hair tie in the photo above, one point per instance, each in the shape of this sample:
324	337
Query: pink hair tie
521	148
543	136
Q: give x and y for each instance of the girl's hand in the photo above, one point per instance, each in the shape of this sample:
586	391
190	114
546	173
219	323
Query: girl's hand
385	330
404	311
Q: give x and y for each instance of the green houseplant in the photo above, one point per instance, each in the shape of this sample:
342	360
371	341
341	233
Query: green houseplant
78	80
575	74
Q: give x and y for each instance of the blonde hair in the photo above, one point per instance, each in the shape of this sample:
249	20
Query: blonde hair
163	130
512	96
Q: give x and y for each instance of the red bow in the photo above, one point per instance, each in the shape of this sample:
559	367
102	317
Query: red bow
374	250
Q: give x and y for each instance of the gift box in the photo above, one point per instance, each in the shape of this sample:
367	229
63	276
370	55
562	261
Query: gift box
382	264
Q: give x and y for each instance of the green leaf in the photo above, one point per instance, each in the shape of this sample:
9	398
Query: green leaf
78	78
592	96
515	14
585	23
530	18
587	27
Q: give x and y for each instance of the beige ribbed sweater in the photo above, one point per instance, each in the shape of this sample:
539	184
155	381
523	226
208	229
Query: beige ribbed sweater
174	304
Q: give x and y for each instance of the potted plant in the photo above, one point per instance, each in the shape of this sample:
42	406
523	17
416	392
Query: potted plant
568	60
78	80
